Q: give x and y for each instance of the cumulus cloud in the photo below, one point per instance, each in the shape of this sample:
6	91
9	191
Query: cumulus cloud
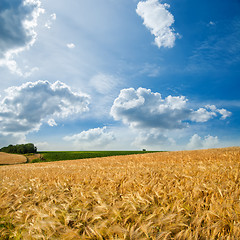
159	21
209	112
71	45
196	142
18	21
202	115
92	138
24	107
224	113
142	108
104	83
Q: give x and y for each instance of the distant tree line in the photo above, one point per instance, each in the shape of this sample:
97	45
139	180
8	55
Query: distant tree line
20	148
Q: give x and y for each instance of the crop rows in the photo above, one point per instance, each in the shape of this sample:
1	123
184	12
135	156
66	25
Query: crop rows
169	195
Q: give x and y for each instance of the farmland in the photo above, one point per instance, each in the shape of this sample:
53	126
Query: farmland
166	195
6	158
70	155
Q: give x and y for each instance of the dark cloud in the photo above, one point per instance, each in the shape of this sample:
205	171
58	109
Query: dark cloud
15	33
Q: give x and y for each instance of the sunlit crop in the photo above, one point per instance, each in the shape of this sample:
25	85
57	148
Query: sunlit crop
168	195
6	158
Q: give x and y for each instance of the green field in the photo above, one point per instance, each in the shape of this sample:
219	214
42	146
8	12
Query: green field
71	155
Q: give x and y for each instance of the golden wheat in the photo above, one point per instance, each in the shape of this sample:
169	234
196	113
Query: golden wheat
6	158
171	195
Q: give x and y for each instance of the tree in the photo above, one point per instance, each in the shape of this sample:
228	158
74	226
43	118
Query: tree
20	148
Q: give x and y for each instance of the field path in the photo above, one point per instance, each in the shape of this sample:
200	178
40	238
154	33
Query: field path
7	158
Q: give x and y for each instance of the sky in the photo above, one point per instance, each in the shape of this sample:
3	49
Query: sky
120	75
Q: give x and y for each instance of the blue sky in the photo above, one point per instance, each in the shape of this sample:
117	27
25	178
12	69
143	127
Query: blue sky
120	75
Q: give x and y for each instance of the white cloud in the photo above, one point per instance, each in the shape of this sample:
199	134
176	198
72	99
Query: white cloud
202	115
96	138
11	138
196	142
142	108
13	67
224	113
71	45
104	83
18	22
209	112
24	108
49	22
211	23
159	21
42	146
51	122
152	139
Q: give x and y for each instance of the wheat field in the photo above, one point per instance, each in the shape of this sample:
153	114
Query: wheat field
168	195
6	158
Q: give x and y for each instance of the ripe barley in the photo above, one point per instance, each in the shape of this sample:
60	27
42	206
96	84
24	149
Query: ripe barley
6	158
169	195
